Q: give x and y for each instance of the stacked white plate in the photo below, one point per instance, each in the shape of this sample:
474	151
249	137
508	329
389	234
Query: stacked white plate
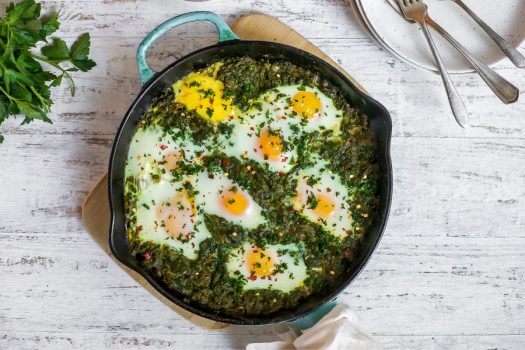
405	40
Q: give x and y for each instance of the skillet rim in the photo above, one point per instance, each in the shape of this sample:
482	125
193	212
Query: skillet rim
382	213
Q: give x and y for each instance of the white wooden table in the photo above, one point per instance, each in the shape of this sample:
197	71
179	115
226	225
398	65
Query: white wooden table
449	272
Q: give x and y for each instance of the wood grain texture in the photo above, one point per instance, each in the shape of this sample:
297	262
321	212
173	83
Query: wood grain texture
448	274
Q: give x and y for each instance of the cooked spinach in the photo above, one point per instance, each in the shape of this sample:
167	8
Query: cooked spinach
352	156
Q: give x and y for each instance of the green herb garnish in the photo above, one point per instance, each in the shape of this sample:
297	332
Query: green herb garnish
24	83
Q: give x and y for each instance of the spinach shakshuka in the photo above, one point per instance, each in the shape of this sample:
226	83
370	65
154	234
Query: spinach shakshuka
249	186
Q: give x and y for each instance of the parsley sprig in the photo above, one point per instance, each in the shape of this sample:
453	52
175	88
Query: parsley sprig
24	83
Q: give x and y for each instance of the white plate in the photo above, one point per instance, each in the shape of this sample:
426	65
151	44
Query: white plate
405	40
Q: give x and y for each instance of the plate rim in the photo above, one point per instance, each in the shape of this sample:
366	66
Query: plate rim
364	19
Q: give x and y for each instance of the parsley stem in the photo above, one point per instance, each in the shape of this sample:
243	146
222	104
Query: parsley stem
7	94
57	66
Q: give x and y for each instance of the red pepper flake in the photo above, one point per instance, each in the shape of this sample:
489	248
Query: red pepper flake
211	176
348	254
148	256
253	277
224	163
256	251
211	100
163	147
281	173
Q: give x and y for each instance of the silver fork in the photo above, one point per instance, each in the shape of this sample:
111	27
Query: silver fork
507	92
416	10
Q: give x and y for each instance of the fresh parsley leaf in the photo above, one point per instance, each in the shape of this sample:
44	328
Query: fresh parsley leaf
49	25
24	83
57	81
80	48
15	12
84	65
57	51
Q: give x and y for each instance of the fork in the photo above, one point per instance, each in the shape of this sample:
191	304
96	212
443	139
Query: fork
514	55
507	92
416	11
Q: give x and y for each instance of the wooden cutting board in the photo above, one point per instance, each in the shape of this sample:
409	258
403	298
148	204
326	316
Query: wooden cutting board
95	210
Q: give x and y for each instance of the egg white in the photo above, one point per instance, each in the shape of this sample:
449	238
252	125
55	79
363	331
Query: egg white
281	114
209	188
244	142
329	184
293	276
152	230
149	148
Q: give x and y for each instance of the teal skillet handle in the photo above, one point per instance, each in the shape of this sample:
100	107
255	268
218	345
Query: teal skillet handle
311	319
225	33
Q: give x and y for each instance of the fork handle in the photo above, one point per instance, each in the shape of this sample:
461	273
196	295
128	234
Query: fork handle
507	92
514	55
456	104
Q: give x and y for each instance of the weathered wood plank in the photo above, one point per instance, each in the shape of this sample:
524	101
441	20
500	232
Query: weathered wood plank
120	340
313	18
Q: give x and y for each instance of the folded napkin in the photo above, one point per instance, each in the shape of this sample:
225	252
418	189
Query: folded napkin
341	328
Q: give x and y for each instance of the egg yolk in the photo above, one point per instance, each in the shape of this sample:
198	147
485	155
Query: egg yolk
203	93
271	145
325	206
170	160
177	215
235	202
259	262
306	104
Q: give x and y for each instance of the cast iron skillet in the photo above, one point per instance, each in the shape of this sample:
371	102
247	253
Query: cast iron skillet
230	46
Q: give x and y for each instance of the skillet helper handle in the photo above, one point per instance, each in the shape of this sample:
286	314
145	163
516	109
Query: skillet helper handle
312	318
225	33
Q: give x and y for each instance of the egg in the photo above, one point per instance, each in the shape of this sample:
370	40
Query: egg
278	267
204	94
166	214
218	195
322	198
154	154
253	137
302	109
